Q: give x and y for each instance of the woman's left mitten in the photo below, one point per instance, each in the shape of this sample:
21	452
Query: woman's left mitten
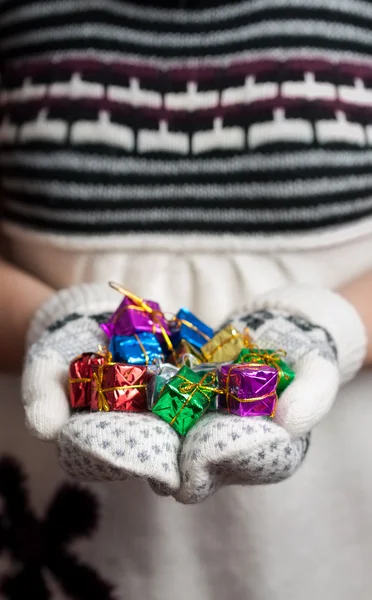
98	445
325	344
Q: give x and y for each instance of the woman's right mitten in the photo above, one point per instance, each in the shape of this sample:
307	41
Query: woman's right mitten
325	344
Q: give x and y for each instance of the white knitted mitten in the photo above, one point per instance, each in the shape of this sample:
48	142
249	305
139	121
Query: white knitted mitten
101	446
325	342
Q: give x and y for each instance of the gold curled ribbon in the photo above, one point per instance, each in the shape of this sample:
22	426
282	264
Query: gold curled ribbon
142	306
105	353
229	395
102	402
190	387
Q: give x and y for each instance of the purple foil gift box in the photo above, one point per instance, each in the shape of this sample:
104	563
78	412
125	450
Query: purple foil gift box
132	317
249	390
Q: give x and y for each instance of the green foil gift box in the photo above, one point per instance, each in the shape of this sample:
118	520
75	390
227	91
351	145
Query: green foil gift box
185	398
272	358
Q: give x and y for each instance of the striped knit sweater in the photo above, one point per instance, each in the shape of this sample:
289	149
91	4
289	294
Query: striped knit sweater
250	117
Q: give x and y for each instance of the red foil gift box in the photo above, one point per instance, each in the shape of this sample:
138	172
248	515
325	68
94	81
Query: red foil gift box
80	378
120	387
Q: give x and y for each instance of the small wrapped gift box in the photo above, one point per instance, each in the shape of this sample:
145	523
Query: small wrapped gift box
272	358
186	354
157	383
138	349
185	398
120	388
203	368
248	390
80	378
225	345
191	329
135	315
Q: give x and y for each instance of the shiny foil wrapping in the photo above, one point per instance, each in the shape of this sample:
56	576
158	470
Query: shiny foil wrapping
272	358
225	345
185	398
157	383
191	329
186	354
248	390
80	378
203	368
120	387
131	318
138	349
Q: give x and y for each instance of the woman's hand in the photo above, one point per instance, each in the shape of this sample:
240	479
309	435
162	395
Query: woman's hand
359	294
100	445
325	344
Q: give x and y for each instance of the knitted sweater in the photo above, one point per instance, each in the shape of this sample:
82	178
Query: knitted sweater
250	118
200	157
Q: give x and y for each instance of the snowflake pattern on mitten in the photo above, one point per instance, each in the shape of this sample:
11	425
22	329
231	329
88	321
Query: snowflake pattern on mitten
92	446
225	449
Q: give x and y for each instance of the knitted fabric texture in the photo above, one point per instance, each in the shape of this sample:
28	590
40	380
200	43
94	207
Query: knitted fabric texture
249	117
225	449
325	342
91	446
220	449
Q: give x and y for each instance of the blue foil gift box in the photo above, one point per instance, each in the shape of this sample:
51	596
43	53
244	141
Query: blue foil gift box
138	349
191	329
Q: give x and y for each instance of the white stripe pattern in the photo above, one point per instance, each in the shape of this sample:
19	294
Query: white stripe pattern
222	60
72	134
360	8
104	131
191	100
274	190
164	215
247	33
100	163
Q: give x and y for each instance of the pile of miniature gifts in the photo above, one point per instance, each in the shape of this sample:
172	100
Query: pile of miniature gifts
176	367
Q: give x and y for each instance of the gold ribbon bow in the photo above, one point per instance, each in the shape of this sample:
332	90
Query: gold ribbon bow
190	387
105	353
272	360
102	351
142	306
102	402
230	395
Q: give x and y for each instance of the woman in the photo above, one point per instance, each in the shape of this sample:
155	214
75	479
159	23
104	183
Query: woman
205	156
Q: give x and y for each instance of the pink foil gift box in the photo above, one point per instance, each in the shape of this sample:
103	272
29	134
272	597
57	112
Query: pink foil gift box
249	390
135	315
